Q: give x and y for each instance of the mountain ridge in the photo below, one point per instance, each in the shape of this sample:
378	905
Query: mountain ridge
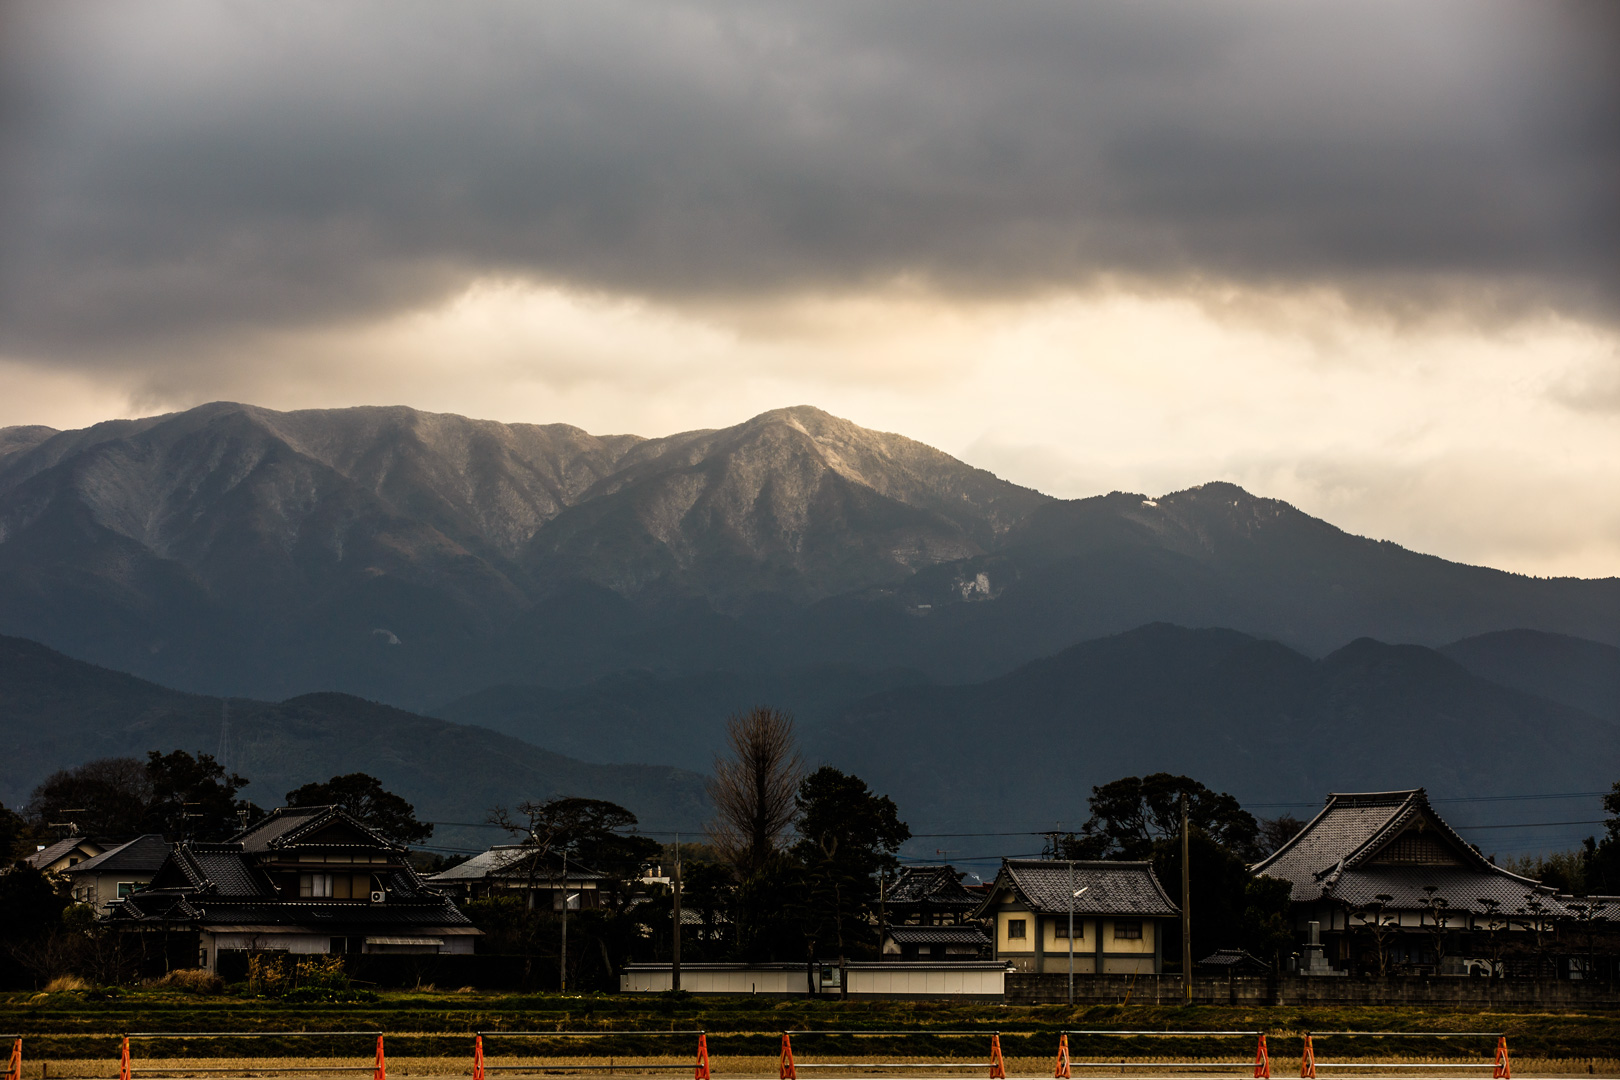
418	557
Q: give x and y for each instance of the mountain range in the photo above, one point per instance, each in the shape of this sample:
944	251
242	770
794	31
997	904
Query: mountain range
415	558
480	612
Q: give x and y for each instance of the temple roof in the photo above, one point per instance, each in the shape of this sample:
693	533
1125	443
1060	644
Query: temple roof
1393	844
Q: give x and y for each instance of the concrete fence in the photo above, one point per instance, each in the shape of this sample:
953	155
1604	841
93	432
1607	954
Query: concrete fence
1298	990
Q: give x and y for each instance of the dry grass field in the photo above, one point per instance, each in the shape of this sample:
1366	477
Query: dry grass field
73	1034
755	1066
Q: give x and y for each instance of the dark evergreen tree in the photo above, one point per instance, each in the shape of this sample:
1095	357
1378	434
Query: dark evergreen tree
846	835
364	797
193	798
1130	816
106	798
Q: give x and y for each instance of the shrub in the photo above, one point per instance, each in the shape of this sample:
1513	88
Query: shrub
267	975
66	982
322	972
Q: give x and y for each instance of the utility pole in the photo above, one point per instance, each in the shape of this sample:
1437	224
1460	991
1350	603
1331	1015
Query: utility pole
562	960
675	939
1186	907
1072	895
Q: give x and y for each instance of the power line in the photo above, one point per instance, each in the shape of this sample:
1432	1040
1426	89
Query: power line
1535	824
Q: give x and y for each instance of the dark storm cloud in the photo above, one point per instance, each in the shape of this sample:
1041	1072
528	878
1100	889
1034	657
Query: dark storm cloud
181	168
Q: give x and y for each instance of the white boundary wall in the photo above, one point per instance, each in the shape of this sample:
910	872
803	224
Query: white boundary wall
976	978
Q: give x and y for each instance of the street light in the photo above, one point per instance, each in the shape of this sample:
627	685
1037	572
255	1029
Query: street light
1073	892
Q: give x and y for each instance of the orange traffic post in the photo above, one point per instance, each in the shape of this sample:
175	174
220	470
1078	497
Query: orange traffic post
1307	1060
1503	1070
382	1067
998	1069
703	1058
788	1071
478	1057
123	1063
1262	1060
14	1070
1062	1072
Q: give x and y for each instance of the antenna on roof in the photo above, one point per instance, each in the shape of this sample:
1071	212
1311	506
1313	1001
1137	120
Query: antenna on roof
72	827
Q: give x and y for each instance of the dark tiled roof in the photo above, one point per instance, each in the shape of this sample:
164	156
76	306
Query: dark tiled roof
288	825
931	886
224	885
1233	960
1343	827
1335	856
229	870
320	916
39	860
1462	888
510	863
939	935
282	820
689	916
142	855
1111	888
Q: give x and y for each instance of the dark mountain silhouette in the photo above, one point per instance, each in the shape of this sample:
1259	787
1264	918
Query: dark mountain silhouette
1582	674
677	719
1242	714
57	712
415	558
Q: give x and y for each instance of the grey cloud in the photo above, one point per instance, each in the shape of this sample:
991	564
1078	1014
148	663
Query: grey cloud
175	168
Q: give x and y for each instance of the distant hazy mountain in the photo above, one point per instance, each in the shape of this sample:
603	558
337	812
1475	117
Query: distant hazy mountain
1582	674
416	558
1241	714
56	712
676	719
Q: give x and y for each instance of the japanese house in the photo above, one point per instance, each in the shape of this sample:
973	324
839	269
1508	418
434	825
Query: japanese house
117	872
521	870
1382	883
307	879
928	915
52	859
1121	916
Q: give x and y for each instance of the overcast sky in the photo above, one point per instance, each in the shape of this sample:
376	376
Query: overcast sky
1364	257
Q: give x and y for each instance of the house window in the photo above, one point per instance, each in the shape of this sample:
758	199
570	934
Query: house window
312	886
1016	928
1062	929
125	888
1128	930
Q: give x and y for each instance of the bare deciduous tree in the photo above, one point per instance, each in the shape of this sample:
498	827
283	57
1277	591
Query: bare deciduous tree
753	789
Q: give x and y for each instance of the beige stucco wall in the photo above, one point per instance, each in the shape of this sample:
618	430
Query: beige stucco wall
1144	944
1128	965
99	890
1010	944
1085	934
